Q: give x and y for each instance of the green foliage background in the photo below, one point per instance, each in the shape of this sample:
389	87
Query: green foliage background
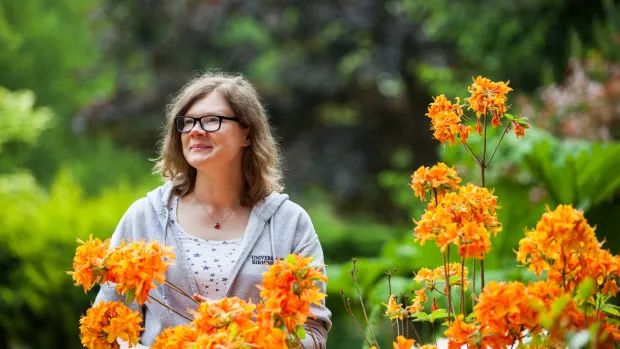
83	85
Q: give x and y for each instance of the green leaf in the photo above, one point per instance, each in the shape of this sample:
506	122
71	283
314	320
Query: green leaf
130	296
509	116
522	121
454	279
584	290
558	305
611	309
439	314
300	331
421	316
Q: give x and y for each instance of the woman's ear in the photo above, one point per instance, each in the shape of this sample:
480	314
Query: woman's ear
246	141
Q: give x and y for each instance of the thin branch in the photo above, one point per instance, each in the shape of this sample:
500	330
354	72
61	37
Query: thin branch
448	292
463	286
178	289
353	272
473	291
314	340
497	146
472	154
416	333
167	306
347	307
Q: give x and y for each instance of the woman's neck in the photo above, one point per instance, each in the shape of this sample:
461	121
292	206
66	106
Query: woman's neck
219	190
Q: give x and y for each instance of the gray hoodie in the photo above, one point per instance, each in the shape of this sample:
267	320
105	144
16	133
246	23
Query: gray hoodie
276	228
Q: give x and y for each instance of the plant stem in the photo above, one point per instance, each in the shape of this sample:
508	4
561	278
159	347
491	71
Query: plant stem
473	290
472	154
482	169
497	146
347	307
416	333
167	306
359	293
178	289
462	286
448	292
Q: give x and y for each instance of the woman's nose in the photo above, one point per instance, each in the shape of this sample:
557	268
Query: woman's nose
197	130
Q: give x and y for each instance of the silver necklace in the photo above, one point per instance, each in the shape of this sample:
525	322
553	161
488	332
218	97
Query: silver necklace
217	224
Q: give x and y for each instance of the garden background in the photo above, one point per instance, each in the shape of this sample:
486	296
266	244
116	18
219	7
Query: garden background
83	85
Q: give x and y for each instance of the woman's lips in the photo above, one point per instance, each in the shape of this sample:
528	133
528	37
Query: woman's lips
200	147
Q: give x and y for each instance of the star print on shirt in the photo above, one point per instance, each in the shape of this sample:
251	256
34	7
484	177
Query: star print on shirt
205	268
196	254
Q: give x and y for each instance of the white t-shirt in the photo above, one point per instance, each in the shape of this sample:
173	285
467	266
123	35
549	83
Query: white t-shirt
211	261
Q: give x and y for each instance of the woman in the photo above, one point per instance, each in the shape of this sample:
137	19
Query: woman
221	207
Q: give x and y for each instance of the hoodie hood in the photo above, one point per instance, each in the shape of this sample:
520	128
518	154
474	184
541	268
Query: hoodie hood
159	198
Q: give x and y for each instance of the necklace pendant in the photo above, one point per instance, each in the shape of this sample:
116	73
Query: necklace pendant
217	225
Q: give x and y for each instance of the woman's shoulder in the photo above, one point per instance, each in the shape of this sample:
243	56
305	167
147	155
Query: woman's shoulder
281	205
154	202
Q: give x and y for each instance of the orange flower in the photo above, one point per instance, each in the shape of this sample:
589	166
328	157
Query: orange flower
288	289
137	266
465	218
438	178
520	129
437	275
505	310
219	314
175	338
461	333
565	245
395	310
219	340
88	262
108	321
445	120
488	96
403	343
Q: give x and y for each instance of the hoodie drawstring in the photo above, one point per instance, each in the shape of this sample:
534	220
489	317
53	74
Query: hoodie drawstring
164	289
272	235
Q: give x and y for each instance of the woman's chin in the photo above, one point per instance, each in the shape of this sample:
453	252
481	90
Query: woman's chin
200	161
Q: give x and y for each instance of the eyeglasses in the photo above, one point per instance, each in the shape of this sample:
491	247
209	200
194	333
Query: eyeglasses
209	123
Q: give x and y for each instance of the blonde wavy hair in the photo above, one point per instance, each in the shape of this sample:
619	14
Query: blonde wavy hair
261	158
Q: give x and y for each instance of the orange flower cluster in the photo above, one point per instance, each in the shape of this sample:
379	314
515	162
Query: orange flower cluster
108	321
488	96
438	275
88	261
288	289
508	312
446	121
137	266
214	315
395	310
175	338
404	343
437	179
565	245
466	218
132	267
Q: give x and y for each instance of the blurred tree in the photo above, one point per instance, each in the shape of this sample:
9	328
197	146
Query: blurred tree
334	76
524	41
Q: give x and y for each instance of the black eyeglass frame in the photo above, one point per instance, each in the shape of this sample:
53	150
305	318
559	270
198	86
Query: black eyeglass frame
198	119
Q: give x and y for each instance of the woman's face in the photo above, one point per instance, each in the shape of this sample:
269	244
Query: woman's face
213	149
